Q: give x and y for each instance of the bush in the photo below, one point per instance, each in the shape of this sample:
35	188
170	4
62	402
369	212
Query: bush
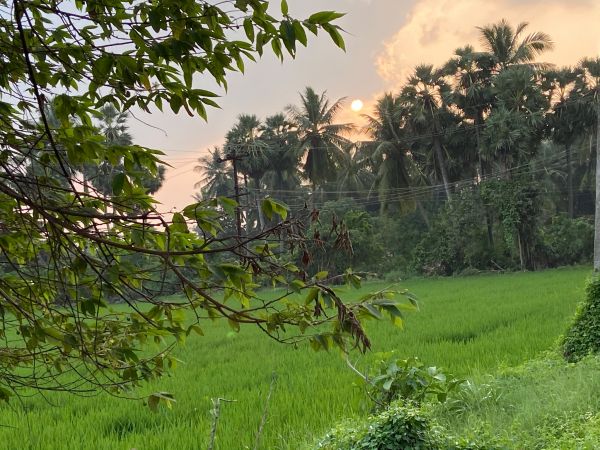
457	239
401	426
567	241
410	380
583	337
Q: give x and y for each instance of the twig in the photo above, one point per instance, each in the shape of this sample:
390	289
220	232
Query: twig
215	412
263	420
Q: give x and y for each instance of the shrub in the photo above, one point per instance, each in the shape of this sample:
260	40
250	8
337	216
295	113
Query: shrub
410	380
583	337
401	426
567	241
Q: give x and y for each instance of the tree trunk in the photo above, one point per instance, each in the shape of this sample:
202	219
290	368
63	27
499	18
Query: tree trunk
488	216
423	214
437	148
570	181
521	255
261	217
597	214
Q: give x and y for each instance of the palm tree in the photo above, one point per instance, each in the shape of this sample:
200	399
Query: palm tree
283	155
564	119
389	151
588	93
246	147
354	174
472	93
425	98
319	136
509	47
216	180
514	128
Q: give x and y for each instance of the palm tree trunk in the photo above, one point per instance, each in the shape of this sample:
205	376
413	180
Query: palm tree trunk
488	217
437	148
257	198
570	181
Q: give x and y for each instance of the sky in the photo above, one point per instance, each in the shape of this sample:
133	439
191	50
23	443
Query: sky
385	40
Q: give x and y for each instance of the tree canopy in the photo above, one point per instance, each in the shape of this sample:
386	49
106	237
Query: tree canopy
69	248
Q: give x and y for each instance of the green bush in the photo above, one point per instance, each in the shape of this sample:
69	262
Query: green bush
408	379
457	239
567	241
401	426
583	337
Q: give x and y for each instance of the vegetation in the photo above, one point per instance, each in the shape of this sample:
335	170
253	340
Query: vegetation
79	228
467	326
481	164
474	160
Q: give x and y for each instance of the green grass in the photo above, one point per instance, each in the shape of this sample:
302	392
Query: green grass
543	404
469	326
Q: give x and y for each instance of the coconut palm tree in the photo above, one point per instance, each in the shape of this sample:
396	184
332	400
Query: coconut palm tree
216	180
283	155
244	144
319	136
389	152
354	174
509	46
587	91
425	98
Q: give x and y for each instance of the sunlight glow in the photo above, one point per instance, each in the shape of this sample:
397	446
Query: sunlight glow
356	105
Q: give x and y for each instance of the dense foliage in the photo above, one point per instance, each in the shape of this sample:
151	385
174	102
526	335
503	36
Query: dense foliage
583	337
475	165
78	225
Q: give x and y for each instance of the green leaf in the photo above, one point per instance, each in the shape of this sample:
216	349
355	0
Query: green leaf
324	17
284	7
178	224
234	325
249	29
271	207
118	182
336	37
321	275
300	33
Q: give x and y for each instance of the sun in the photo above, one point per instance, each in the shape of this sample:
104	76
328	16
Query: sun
356	105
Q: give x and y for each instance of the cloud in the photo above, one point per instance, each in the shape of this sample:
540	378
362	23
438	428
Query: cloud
435	28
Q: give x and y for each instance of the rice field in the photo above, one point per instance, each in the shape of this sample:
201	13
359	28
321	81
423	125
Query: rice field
469	326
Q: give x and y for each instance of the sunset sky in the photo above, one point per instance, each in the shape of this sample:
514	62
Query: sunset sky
385	39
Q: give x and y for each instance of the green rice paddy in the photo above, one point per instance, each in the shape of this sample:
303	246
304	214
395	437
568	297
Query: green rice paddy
469	326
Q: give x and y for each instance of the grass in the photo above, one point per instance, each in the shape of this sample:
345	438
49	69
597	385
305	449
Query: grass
470	326
543	404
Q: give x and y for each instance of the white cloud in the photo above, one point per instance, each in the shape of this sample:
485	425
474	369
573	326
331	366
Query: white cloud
435	28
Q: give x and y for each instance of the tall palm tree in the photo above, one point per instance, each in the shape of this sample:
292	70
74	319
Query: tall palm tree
389	151
217	180
425	98
588	92
354	174
509	46
320	137
515	126
244	143
283	155
471	75
564	119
